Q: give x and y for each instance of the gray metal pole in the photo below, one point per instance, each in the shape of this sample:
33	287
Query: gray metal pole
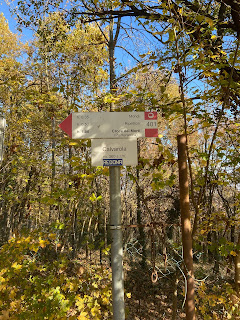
117	246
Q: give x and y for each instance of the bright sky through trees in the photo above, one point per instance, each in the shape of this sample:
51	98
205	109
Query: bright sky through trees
26	34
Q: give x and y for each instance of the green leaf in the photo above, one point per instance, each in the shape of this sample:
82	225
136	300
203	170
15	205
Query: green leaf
171	35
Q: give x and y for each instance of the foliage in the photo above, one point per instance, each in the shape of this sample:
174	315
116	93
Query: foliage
217	301
188	72
40	282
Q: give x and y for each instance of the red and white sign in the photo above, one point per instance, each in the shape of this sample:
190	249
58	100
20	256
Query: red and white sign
110	125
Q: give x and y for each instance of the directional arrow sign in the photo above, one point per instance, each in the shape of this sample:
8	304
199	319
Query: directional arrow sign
108	125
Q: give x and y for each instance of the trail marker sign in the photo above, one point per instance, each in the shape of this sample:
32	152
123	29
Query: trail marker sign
114	152
114	143
110	125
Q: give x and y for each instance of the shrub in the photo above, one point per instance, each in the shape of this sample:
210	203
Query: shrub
37	282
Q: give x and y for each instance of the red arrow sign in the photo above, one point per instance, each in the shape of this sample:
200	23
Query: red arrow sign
66	125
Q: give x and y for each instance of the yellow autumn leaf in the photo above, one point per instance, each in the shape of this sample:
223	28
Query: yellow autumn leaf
93	197
209	21
34	247
96	294
43	243
14	305
221	300
12	294
83	316
95	311
80	303
16	266
233	253
3	288
105	300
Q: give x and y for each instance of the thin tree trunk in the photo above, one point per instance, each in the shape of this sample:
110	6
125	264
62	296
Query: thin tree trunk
74	231
142	237
100	223
53	165
237	268
186	227
175	293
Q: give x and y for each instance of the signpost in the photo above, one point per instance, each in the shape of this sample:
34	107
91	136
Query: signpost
114	143
110	125
114	152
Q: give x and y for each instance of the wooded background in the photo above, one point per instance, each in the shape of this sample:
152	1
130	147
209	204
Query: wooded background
179	58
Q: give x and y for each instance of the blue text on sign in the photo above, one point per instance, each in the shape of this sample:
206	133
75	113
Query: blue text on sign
112	162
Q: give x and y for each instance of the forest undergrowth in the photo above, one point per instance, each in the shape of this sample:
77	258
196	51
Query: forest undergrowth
40	280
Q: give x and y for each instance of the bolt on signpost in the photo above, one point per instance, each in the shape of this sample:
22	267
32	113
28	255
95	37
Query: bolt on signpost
114	144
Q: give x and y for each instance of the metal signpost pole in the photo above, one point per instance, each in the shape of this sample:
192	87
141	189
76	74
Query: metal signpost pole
117	245
115	204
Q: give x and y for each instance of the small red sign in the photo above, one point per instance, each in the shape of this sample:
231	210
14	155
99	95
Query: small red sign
151	133
150	115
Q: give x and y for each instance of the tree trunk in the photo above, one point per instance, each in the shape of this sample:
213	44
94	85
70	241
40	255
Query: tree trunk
186	226
51	209
175	293
142	237
237	268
